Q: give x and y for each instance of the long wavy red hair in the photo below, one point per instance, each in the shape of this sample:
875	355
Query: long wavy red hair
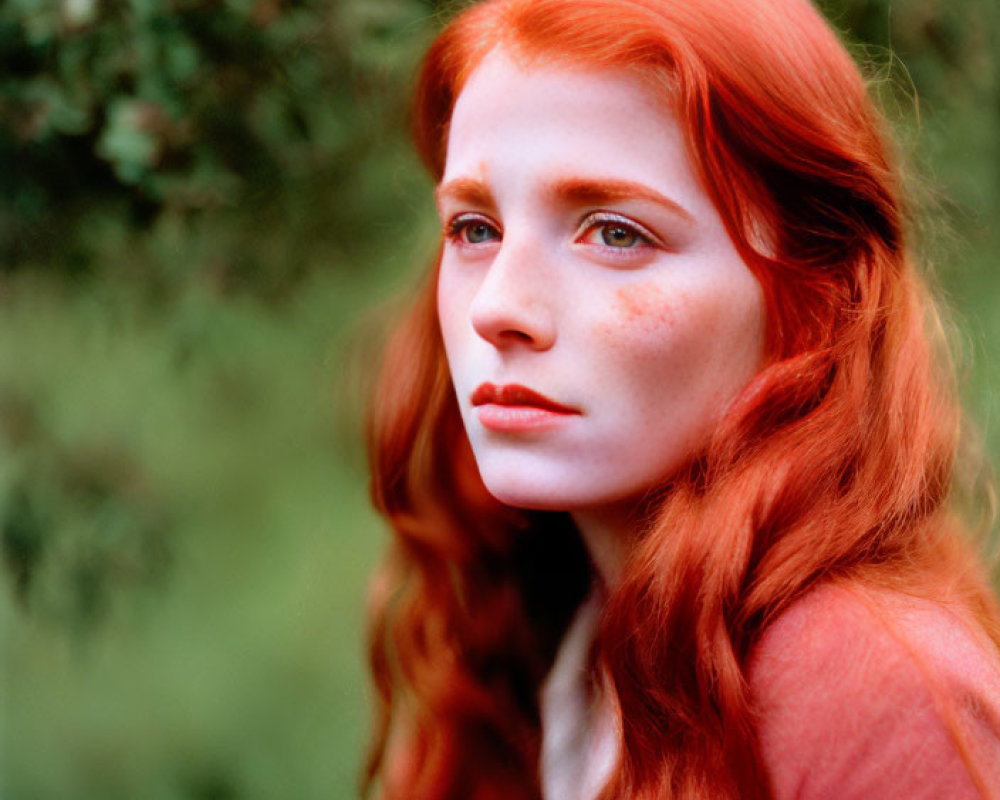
835	462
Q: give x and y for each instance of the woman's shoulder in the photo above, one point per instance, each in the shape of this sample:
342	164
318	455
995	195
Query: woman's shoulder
864	693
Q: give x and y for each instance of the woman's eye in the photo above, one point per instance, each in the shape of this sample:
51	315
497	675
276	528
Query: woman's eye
619	236
615	233
473	231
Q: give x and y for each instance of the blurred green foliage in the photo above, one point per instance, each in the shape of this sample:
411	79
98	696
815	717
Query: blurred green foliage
261	129
198	200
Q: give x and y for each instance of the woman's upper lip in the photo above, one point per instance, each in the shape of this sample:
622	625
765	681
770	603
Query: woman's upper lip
513	394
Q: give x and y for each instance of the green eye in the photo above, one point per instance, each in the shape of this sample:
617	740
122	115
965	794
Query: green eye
472	230
479	233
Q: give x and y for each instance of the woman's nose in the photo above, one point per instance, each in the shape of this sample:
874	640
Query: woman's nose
513	305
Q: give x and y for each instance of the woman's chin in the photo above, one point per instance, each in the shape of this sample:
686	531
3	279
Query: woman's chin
537	495
530	498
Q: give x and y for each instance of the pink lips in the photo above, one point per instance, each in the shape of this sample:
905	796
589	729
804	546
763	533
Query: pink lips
512	407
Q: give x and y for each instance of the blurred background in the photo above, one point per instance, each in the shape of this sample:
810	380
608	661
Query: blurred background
206	208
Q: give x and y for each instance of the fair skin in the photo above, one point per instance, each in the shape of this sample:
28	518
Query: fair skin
584	261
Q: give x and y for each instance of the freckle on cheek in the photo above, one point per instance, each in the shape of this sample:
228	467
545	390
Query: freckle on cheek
644	307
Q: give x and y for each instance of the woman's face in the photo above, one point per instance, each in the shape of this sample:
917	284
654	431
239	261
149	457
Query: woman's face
596	317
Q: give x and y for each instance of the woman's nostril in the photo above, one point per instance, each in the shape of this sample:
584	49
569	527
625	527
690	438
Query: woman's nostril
517	336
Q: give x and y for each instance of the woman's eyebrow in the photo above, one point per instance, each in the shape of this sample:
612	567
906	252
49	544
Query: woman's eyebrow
468	191
607	190
475	192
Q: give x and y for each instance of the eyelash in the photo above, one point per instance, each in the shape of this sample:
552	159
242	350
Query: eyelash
457	228
606	219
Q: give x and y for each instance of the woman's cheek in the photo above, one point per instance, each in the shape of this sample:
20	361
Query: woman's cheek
664	341
453	300
644	306
638	317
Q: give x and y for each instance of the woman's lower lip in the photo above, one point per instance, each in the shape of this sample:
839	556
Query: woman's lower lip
496	417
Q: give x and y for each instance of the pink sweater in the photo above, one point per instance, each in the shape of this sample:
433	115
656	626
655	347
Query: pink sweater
866	695
861	696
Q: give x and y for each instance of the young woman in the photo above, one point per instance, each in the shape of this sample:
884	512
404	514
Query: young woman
666	443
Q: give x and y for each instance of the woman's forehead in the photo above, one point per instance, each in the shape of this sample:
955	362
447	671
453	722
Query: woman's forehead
573	132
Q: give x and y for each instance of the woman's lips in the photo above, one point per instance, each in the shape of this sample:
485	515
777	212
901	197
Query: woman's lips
512	407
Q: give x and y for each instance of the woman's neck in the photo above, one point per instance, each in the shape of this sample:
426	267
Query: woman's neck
609	533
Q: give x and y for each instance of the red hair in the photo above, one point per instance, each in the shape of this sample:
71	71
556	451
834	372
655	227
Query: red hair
836	462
